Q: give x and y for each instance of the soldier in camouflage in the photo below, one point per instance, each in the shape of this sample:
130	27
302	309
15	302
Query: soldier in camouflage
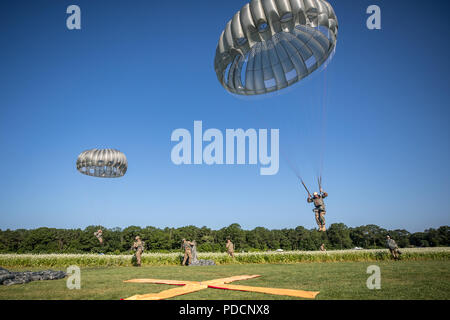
186	246
99	236
230	248
393	247
138	246
319	209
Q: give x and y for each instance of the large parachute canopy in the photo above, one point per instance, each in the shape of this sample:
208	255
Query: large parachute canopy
271	44
103	163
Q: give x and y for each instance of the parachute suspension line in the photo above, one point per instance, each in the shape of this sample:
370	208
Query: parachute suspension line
290	164
294	168
323	138
306	188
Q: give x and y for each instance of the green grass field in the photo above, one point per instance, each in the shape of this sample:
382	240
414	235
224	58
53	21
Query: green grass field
335	280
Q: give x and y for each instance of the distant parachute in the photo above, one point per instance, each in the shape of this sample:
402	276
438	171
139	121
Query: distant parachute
103	163
271	44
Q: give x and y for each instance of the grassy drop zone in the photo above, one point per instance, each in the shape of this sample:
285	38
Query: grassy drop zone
415	278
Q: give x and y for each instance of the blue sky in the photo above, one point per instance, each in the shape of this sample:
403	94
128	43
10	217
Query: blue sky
138	70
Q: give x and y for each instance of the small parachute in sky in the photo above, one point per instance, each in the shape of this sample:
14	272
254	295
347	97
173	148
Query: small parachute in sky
271	44
103	163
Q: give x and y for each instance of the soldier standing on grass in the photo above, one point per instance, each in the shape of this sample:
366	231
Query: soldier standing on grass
230	248
186	245
138	246
393	247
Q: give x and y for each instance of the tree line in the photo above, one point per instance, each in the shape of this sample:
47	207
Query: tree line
117	240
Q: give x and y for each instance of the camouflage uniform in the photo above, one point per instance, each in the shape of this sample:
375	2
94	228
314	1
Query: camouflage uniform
186	245
138	246
230	248
319	209
393	248
99	236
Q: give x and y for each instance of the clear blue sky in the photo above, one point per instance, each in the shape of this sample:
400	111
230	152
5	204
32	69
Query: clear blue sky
140	69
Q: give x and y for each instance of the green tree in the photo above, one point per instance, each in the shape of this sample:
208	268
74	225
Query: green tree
339	236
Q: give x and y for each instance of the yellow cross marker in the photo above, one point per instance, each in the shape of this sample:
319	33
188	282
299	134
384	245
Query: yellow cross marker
193	286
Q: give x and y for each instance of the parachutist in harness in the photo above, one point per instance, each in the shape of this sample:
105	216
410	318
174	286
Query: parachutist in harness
319	209
99	236
319	205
